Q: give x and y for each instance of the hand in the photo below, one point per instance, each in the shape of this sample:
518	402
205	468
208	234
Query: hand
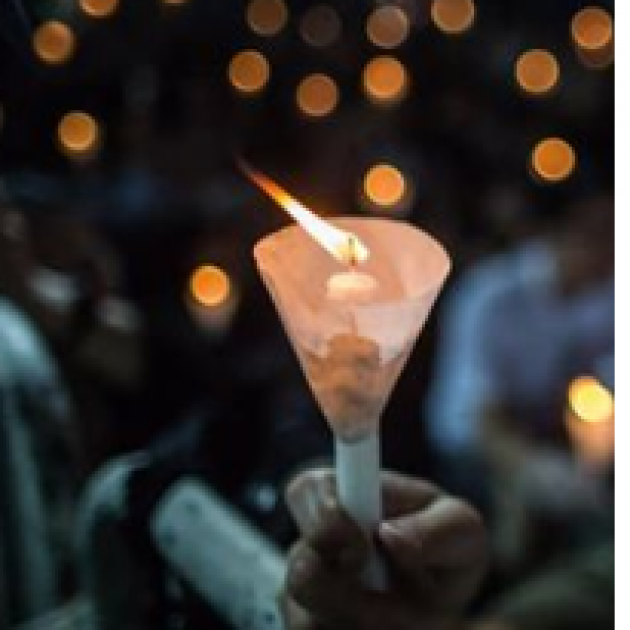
553	483
434	546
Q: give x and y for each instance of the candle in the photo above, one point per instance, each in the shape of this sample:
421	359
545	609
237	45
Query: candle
212	299
351	286
358	461
354	339
590	422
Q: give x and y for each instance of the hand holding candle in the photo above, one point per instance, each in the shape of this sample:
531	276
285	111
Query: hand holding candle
352	295
435	543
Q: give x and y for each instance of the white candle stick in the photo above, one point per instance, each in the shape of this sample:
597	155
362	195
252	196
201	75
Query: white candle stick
354	337
353	287
358	473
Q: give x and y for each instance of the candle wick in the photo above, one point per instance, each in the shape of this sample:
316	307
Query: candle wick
353	255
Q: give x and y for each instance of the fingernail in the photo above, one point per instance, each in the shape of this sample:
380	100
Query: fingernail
401	527
398	534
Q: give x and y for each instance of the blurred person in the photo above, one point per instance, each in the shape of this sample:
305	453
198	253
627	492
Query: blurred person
37	480
516	330
60	322
518	327
435	548
62	274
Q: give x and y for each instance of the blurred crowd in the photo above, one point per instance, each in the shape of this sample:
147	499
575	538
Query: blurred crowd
132	319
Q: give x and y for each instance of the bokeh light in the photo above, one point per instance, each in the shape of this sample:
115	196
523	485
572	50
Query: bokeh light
317	95
384	185
78	135
453	16
592	32
174	2
553	159
388	26
590	401
267	17
54	42
210	286
99	8
385	80
320	26
249	72
537	72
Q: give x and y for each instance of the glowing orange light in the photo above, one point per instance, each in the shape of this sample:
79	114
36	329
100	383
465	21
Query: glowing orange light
99	8
590	422
384	185
537	71
590	401
344	246
249	72
320	26
175	2
267	17
54	42
210	286
592	32
78	134
317	95
453	16
388	26
385	80
553	159
592	28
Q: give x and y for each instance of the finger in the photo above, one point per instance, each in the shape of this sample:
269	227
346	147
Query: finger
296	618
335	601
442	545
404	495
312	500
448	532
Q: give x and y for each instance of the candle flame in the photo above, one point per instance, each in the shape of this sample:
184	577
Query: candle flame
590	400
344	246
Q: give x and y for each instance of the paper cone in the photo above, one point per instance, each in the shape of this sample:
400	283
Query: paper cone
353	354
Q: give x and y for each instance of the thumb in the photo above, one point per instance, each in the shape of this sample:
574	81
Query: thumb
440	546
324	526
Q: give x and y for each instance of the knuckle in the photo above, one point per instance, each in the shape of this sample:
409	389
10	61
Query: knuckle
305	577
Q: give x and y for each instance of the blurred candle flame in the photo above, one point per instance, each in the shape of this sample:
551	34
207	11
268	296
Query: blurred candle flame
78	134
537	71
344	246
590	422
267	17
320	26
249	72
54	42
317	95
388	26
385	185
99	8
553	159
590	400
210	285
385	80
592	28
593	37
453	17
